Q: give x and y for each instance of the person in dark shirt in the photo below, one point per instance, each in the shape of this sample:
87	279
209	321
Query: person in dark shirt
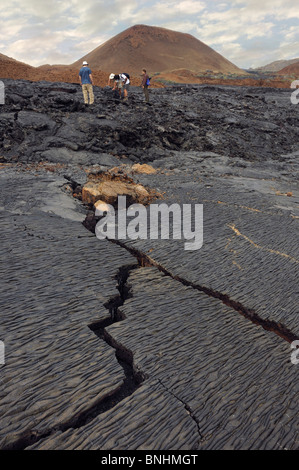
86	81
144	84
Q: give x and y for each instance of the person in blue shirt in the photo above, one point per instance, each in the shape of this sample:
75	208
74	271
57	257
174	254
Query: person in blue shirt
86	81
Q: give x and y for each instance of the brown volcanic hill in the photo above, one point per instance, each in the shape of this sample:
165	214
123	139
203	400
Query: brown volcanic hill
11	68
158	50
292	69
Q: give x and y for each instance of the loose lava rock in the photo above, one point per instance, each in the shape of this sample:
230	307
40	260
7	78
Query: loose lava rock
48	121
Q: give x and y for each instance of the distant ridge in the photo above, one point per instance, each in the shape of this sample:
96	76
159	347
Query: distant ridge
10	67
9	60
277	65
158	50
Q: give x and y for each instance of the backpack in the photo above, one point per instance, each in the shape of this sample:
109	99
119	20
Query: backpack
148	80
126	74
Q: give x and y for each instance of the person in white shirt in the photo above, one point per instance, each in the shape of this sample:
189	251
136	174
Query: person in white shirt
125	78
121	81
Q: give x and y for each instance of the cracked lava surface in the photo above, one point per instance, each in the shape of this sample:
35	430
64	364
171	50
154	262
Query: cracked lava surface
139	344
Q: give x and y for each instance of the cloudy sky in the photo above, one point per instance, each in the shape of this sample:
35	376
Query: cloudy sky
247	32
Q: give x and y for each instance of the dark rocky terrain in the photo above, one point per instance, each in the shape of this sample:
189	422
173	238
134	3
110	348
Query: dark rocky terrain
141	344
48	121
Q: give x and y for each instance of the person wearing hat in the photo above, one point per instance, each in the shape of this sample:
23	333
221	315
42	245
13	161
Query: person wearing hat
115	80
86	81
111	79
121	82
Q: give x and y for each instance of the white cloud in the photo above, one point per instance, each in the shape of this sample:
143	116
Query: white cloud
280	9
165	10
47	46
234	31
10	29
291	33
244	31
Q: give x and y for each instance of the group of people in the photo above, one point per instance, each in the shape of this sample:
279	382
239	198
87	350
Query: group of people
119	82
